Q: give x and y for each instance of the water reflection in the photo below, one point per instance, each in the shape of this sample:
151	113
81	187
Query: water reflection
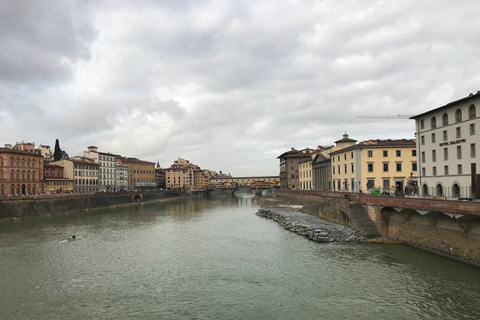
213	258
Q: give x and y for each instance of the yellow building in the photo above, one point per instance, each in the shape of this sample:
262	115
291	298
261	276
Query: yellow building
141	174
59	185
386	165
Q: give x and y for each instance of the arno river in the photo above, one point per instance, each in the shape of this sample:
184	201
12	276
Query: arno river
215	259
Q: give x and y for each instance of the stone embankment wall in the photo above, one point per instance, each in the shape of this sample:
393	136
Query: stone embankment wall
457	238
26	207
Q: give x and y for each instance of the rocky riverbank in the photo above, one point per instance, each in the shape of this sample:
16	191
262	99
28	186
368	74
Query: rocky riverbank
308	226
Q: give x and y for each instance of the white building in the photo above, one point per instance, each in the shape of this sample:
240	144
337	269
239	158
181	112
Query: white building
122	177
446	148
107	170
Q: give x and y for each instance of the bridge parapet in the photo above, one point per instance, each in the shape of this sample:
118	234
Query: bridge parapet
419	204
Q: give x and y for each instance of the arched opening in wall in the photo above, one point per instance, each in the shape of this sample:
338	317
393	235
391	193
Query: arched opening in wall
456	191
425	190
137	198
23	189
439	190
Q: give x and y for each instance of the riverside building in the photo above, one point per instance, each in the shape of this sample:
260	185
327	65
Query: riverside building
447	147
21	170
107	168
141	174
289	167
387	166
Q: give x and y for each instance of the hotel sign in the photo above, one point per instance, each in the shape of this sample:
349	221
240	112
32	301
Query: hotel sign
443	144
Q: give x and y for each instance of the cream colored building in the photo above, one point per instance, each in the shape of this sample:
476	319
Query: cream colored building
447	148
305	174
390	166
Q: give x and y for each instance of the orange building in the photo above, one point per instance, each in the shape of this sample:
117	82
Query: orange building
21	172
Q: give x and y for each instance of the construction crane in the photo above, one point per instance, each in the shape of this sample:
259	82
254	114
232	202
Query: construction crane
398	116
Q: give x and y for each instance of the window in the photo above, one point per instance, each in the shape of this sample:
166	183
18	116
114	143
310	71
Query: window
422	124
385	167
352	155
434	155
423	172
445	119
345	167
434	171
414	166
399	166
445	154
472	129
352	168
370	154
345	156
422	139
472	150
434	122
445	169
459	169
458	115
370	167
459	132
472	113
445	135
399	153
459	152
414	153
385	153
423	156
433	137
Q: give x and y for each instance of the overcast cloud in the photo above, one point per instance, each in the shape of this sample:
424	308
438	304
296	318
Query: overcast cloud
228	85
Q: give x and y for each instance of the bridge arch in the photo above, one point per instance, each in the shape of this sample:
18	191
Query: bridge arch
137	197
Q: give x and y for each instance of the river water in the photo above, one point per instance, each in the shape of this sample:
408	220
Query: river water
213	258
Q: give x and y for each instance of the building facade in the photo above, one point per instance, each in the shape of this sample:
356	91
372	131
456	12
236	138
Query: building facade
386	165
322	169
289	167
141	174
447	142
121	180
21	172
85	174
106	171
305	174
54	179
181	175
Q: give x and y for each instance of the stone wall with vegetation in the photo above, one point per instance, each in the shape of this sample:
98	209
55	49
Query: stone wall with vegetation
27	207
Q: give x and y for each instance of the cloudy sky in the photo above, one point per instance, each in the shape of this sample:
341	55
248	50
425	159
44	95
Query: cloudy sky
228	85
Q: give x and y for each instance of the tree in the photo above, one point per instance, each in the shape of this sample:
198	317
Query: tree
57	154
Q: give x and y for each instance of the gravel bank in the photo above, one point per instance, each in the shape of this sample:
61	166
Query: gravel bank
308	226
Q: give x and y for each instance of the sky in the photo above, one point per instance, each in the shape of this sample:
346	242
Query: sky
228	85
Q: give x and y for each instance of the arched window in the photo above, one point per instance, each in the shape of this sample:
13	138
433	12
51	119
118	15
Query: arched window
458	115
425	190
445	119
434	122
472	112
456	191
439	190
